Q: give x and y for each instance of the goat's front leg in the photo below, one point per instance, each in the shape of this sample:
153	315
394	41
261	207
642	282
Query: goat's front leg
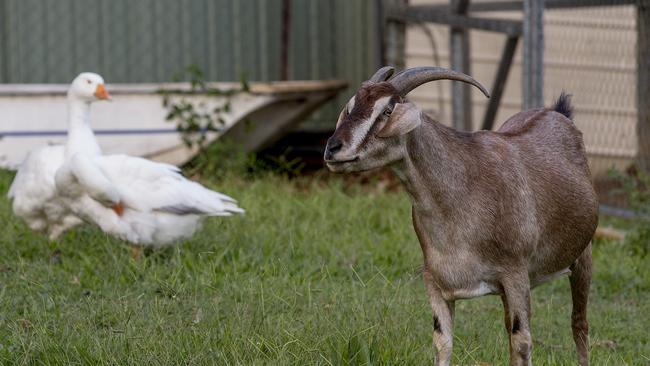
516	303
443	321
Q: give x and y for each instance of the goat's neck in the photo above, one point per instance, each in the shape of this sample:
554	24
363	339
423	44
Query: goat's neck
81	138
434	169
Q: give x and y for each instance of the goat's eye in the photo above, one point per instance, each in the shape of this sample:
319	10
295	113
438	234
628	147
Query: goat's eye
388	111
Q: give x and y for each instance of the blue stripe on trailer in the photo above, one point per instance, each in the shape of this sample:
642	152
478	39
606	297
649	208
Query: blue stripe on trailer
97	132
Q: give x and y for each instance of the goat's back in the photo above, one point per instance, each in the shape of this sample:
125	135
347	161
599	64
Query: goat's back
551	157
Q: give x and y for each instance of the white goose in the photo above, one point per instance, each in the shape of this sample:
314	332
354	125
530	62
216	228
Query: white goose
146	203
33	191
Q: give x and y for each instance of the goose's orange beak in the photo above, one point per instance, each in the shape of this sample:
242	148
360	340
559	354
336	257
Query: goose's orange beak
101	93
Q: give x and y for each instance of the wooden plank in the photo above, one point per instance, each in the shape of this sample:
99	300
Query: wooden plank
500	81
533	57
643	84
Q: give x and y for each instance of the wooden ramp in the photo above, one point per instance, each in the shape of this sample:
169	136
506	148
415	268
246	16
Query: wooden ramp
134	121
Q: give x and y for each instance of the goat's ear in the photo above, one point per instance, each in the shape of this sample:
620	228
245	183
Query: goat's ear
341	115
404	119
344	111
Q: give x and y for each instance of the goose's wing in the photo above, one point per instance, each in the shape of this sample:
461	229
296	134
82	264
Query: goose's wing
33	184
149	186
34	196
35	176
85	172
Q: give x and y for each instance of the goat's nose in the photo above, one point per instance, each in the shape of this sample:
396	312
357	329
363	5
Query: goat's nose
333	145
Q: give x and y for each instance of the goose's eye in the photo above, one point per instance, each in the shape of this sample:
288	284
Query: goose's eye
89	82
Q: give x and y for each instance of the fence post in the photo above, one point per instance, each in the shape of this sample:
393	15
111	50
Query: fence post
643	84
533	77
395	36
500	82
459	48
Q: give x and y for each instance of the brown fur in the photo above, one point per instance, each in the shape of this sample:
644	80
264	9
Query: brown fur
364	101
502	211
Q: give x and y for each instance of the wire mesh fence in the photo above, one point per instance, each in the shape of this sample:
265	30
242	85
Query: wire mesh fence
590	53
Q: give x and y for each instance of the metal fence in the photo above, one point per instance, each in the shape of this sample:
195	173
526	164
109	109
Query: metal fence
591	52
151	40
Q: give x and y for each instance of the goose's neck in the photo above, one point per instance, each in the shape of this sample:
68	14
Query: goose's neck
81	138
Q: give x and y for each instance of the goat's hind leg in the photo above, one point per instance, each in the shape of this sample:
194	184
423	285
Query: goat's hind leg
580	279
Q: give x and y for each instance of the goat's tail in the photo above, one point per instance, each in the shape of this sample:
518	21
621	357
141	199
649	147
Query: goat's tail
563	105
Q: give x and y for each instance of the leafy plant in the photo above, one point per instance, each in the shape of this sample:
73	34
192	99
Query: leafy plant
194	120
224	158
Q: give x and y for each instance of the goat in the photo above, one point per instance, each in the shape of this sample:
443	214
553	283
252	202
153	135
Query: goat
494	212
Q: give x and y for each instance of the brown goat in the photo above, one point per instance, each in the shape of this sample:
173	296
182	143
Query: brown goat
494	212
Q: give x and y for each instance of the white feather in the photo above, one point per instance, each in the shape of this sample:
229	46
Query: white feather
34	196
58	186
161	206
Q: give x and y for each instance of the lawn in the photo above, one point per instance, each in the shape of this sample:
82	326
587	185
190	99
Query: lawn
316	272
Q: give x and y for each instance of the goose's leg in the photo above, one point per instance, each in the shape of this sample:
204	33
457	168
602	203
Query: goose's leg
136	252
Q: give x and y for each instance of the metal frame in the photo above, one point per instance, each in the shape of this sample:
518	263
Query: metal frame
500	82
643	84
533	60
459	57
457	15
414	14
519	5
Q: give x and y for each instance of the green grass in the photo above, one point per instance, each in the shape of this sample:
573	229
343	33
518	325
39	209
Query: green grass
315	273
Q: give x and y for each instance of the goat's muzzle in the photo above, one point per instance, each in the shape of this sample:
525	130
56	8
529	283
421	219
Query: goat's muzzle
335	145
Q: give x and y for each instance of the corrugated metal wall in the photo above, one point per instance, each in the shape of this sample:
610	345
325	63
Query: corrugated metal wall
150	40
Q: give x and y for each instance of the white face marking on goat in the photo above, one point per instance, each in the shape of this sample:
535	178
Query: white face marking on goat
363	127
347	110
351	104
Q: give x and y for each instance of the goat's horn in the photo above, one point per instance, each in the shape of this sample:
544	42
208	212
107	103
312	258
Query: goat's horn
382	74
410	79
